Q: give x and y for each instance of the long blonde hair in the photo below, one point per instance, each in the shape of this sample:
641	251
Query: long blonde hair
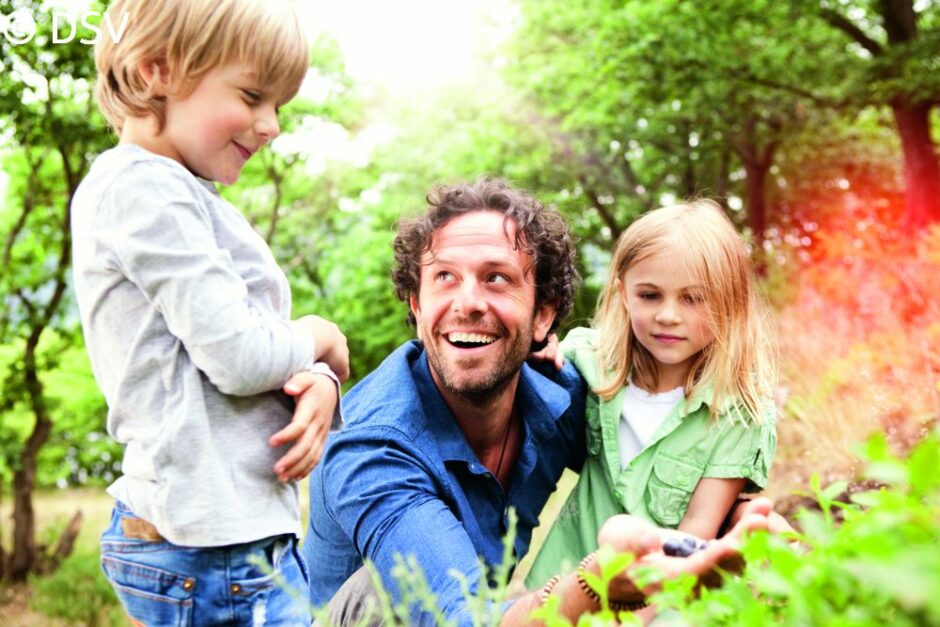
738	363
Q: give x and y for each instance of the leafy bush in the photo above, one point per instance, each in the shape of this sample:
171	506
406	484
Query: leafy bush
876	567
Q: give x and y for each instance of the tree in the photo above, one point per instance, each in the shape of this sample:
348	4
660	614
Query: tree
46	92
706	89
677	90
899	69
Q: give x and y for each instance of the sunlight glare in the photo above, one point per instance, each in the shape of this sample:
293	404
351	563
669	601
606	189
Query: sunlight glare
411	43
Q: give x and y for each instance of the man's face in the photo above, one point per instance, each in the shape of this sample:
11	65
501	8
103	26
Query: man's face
475	309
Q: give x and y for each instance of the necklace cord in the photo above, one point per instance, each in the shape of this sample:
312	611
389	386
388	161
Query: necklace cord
502	452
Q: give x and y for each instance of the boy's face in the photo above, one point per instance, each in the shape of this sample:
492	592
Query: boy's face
215	128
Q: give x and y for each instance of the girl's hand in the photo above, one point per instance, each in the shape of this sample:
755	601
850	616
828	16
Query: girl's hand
551	352
316	396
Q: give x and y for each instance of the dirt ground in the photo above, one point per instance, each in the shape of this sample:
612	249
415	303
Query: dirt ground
15	610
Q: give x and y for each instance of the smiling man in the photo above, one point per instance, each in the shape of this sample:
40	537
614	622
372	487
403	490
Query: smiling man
454	429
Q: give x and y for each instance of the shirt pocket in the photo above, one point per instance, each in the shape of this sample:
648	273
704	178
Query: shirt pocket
671	484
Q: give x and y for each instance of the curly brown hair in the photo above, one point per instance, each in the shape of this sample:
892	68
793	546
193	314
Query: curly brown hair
540	232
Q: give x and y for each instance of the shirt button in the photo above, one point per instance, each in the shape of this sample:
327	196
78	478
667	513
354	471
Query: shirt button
189	584
235	588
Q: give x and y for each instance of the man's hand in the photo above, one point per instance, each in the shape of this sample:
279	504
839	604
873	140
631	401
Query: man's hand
315	396
630	534
329	344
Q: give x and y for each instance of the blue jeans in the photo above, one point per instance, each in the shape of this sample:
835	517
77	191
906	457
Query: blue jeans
159	583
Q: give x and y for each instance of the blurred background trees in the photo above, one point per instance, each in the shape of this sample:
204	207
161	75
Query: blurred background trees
813	122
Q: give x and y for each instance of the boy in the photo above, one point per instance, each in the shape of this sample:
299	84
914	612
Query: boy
186	317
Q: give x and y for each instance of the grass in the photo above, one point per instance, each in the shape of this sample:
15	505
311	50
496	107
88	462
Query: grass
77	593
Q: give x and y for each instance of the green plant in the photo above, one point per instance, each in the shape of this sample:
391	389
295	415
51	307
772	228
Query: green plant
876	567
77	592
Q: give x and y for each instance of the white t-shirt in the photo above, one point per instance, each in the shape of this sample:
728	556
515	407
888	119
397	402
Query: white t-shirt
641	416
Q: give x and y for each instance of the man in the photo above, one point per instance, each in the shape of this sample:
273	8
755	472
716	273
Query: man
454	429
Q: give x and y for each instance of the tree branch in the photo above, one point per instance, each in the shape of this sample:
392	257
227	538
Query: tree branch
28	204
748	77
840	22
606	216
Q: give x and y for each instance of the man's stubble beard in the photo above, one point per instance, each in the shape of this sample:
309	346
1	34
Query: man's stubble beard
494	381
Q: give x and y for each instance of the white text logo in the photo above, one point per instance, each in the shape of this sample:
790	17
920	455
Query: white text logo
20	27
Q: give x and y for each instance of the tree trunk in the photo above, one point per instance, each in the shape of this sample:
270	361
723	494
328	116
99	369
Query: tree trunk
23	558
24	478
721	177
921	171
756	201
64	546
3	553
756	160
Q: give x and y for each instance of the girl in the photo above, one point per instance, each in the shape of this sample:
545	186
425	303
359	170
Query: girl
680	419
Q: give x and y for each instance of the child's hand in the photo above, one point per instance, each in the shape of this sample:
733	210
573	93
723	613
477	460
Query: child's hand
551	352
330	344
316	396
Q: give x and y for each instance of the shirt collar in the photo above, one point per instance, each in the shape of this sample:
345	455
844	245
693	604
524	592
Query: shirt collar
704	396
541	403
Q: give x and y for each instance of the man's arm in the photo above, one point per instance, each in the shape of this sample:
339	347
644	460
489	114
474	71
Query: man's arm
384	494
630	534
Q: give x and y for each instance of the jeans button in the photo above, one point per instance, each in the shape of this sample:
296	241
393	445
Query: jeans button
189	584
235	588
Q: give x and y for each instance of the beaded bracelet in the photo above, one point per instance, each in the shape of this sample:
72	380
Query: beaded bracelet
617	606
546	590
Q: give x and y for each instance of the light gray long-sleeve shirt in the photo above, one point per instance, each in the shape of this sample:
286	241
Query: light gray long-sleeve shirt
186	317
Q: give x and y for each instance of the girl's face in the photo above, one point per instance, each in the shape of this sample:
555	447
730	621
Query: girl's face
669	316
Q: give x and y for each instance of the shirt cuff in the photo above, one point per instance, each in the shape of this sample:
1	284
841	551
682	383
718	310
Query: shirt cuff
338	419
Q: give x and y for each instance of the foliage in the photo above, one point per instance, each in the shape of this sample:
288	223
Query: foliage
656	100
877	567
874	564
77	592
52	141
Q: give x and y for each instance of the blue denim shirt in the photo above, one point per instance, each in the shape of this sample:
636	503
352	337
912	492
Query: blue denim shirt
400	478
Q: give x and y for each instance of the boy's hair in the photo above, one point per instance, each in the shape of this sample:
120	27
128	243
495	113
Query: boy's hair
542	232
189	38
702	243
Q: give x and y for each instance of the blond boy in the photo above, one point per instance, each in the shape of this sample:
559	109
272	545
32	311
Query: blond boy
186	317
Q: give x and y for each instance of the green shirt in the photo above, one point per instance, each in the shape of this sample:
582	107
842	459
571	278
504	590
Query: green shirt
657	484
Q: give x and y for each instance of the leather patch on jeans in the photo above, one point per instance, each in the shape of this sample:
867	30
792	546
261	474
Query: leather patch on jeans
140	529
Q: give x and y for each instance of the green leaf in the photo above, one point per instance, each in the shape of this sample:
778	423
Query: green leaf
924	467
834	489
